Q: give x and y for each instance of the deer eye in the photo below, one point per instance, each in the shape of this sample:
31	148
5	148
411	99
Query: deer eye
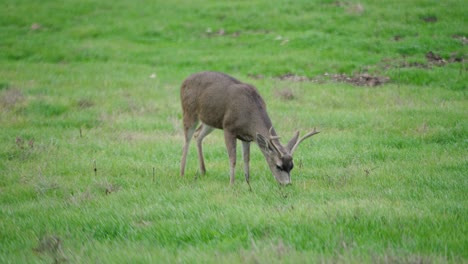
278	167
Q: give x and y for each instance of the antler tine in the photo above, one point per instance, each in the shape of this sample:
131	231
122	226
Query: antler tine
271	136
314	132
273	143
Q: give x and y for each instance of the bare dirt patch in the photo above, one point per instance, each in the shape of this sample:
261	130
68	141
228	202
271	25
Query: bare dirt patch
435	59
51	245
285	94
220	32
362	79
36	26
11	97
432	59
293	78
256	76
366	79
463	40
350	8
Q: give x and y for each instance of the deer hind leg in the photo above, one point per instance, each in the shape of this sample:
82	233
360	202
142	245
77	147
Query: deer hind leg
189	129
200	134
230	140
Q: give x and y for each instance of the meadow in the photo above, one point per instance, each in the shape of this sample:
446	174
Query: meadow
91	132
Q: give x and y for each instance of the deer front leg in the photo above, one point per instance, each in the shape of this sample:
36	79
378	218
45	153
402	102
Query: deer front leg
230	140
246	157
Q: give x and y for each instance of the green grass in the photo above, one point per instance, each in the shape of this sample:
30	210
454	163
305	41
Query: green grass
91	132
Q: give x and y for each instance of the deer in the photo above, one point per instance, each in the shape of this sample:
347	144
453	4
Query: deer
218	101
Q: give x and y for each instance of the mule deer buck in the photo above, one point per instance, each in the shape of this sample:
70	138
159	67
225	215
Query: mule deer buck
220	101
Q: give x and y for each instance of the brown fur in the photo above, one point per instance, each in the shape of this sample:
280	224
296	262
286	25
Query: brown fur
220	101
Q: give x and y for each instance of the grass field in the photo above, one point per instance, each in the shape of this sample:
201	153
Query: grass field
91	132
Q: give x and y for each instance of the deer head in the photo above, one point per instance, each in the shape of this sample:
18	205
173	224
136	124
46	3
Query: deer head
280	158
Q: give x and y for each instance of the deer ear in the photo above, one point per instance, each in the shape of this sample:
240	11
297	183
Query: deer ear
262	142
293	142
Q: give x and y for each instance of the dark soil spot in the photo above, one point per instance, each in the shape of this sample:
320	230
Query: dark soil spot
397	38
455	57
85	103
435	59
429	19
21	143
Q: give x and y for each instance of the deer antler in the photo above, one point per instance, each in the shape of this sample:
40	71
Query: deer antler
314	132
271	138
